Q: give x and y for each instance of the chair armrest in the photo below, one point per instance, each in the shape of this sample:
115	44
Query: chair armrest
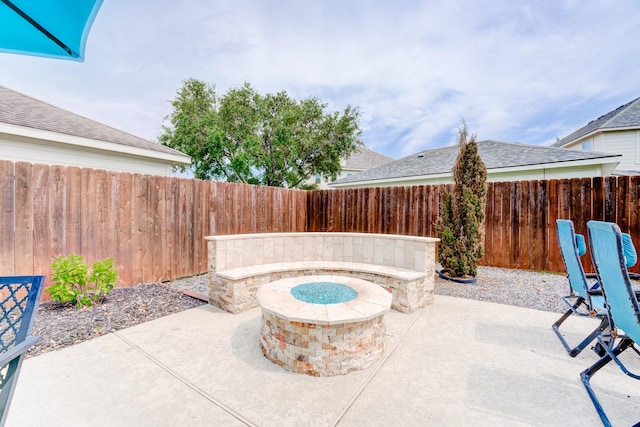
18	349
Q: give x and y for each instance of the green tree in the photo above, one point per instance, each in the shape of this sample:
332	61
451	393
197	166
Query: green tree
247	137
460	225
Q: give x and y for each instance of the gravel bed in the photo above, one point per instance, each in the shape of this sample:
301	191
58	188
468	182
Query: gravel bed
530	289
64	325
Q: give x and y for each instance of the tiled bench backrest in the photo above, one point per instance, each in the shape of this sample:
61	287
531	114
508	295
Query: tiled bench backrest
243	250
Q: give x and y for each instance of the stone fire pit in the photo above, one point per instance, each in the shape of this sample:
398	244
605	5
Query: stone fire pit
323	338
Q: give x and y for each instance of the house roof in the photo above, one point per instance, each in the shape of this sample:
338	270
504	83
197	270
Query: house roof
496	155
22	110
364	159
625	116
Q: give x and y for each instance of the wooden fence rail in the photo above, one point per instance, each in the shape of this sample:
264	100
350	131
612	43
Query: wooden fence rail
154	226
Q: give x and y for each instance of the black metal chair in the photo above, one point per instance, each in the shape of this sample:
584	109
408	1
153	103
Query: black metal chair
19	299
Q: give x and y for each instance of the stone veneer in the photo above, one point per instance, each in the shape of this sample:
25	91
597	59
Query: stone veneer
323	339
240	264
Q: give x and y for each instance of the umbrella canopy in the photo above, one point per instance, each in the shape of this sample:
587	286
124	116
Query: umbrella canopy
51	28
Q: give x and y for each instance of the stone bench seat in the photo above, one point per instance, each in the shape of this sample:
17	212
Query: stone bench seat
239	265
311	267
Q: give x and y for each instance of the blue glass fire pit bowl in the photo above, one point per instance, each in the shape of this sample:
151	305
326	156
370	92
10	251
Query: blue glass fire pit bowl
323	293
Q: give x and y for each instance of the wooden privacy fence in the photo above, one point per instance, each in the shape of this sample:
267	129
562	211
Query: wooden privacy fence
520	216
153	226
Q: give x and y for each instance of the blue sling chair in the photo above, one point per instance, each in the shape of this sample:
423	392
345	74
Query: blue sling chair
581	300
19	299
584	299
606	244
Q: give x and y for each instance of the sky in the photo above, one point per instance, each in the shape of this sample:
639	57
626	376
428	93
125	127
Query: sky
515	71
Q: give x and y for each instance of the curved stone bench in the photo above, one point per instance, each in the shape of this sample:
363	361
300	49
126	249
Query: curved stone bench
240	264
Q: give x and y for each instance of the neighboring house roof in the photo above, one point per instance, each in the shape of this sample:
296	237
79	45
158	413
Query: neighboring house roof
22	110
625	173
496	155
364	159
625	116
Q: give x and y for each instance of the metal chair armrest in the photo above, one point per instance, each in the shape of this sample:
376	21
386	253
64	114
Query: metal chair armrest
18	349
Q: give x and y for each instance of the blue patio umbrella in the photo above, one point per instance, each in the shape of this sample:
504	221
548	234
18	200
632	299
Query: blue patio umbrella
49	28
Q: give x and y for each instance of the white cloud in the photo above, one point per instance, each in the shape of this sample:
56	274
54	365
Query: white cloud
516	71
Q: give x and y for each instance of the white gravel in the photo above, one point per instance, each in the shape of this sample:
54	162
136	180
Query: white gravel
540	291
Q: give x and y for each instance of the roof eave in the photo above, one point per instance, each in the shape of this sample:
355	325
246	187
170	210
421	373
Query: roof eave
61	138
613	159
609	163
374	182
595	132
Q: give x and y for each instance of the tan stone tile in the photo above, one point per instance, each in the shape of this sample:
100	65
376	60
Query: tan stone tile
348	248
267	245
298	249
278	249
420	260
398	254
289	249
258	251
327	248
338	248
367	250
273	297
409	255
389	254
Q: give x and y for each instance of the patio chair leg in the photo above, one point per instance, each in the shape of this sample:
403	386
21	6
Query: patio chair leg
599	348
590	372
8	387
604	325
564	317
573	352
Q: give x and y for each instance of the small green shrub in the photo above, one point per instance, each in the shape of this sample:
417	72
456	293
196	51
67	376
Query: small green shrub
74	284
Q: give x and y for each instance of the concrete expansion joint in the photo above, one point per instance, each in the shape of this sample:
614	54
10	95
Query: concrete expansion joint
377	368
186	382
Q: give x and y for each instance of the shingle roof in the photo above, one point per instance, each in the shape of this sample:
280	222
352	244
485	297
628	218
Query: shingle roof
364	159
495	155
625	116
22	110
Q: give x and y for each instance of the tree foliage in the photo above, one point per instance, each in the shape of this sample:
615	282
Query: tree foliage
460	225
270	139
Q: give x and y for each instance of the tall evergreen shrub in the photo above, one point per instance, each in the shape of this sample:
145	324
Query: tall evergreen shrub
460	225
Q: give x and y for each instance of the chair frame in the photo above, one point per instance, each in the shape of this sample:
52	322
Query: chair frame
581	296
613	288
13	351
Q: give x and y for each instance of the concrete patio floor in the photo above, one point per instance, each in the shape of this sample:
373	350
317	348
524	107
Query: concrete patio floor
457	362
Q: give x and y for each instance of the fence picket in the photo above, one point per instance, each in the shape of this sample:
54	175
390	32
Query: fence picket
23	232
7	217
